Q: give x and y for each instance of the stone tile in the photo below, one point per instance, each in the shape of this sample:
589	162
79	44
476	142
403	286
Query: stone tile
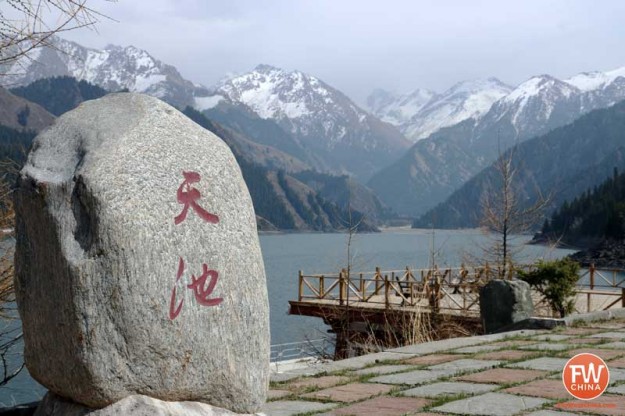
618	345
551	337
584	340
514	343
432	359
619	363
607	404
605	354
289	408
542	363
580	331
277	394
503	376
348	393
617	390
318	382
497	404
448	388
459	366
384	369
548	389
616	374
546	346
383	406
550	413
506	355
477	348
411	378
612	335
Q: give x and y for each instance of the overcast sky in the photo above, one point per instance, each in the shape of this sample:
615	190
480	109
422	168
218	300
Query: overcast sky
357	46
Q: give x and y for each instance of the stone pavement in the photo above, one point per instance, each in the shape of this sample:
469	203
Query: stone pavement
515	373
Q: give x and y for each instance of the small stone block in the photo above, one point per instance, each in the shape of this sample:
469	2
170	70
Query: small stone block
618	345
585	340
605	354
545	346
612	335
506	355
514	343
289	408
503	376
318	382
477	348
619	362
277	394
542	363
349	392
383	406
431	359
449	388
459	366
412	378
384	369
496	404
550	413
617	390
551	337
548	389
579	331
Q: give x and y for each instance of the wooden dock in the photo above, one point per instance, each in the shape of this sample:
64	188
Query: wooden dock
352	302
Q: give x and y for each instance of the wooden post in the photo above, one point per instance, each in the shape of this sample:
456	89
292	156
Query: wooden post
341	288
623	297
322	288
587	302
301	286
378	283
386	291
362	286
592	275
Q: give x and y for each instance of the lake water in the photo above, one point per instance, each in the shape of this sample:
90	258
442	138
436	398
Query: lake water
285	254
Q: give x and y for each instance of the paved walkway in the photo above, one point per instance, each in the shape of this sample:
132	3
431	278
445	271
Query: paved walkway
516	373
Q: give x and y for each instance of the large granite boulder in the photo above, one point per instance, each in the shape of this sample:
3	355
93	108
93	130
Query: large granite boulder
505	302
136	405
138	266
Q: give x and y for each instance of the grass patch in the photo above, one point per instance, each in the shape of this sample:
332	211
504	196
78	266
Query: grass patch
444	399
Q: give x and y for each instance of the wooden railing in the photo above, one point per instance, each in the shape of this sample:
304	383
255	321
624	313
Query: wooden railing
440	289
602	282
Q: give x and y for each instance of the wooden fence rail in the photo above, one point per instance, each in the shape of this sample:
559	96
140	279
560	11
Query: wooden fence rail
441	289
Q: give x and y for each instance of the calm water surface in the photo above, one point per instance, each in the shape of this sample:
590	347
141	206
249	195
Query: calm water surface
285	254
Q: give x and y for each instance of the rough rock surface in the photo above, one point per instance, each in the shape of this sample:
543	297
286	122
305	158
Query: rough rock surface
607	254
137	405
103	240
504	302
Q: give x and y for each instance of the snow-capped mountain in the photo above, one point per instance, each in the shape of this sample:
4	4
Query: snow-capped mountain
465	100
397	109
423	112
441	163
319	117
113	68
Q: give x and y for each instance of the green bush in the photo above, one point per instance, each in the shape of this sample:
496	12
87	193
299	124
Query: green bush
556	281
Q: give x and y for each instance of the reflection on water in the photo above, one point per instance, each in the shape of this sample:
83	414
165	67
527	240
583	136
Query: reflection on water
285	254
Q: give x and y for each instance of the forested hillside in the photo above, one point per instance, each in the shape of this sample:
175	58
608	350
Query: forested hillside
59	94
281	200
596	215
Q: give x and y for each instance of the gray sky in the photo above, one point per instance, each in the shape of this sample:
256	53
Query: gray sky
360	45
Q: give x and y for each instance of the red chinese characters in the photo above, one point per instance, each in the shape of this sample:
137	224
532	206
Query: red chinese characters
201	290
203	285
187	195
